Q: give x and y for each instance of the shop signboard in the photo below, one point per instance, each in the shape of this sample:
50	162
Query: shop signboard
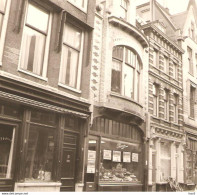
116	156
106	154
91	161
135	157
127	157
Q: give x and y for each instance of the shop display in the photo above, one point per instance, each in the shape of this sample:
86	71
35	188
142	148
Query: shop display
117	174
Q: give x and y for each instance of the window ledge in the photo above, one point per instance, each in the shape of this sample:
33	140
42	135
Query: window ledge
39	183
69	88
33	75
125	98
191	118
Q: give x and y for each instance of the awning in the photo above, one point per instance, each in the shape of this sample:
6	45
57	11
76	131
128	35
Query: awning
37	104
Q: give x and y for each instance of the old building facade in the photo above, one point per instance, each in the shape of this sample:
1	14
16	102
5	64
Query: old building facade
116	153
45	51
186	21
165	107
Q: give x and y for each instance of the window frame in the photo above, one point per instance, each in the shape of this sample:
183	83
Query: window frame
156	99
84	9
155	58
4	28
175	105
80	60
124	8
166	104
124	63
190	60
192	101
46	45
166	64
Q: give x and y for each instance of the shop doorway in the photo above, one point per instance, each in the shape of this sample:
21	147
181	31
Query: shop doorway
7	145
68	167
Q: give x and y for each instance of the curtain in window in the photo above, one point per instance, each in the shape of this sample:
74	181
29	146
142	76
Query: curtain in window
32	54
128	81
116	72
69	71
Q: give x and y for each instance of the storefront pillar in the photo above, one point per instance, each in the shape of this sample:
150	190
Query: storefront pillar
180	164
158	154
173	160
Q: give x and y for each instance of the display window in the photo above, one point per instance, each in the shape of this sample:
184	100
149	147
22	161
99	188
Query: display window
7	134
120	161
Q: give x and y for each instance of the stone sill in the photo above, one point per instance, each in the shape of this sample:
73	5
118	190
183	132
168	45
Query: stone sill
39	184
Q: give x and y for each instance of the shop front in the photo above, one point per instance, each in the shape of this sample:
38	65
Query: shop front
41	145
115	157
191	162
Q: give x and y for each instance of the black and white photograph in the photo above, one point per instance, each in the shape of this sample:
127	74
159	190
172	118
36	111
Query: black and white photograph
98	96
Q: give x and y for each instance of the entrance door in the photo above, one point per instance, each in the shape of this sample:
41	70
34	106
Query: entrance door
92	171
68	167
7	136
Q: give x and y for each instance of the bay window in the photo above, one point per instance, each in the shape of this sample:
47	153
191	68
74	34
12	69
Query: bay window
126	68
34	49
71	61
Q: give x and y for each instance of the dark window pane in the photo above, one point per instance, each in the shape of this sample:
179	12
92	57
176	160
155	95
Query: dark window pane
116	76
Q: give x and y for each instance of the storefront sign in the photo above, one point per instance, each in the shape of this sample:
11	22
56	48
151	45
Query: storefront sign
127	157
91	155
135	157
91	166
117	156
106	154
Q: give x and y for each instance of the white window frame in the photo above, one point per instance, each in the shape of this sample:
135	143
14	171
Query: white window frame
125	8
4	29
84	9
46	52
79	71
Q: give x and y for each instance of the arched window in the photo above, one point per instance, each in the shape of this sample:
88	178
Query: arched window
126	68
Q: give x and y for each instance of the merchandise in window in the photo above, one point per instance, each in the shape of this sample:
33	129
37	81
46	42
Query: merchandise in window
125	78
34	40
71	56
120	162
2	13
40	154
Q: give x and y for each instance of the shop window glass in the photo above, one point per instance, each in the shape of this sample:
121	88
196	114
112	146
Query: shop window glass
165	161
6	151
40	154
120	162
43	118
71	55
34	40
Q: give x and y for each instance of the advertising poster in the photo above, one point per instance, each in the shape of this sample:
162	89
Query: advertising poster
91	161
127	157
135	157
106	154
116	156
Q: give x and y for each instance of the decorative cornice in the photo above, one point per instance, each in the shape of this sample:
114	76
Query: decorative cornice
131	29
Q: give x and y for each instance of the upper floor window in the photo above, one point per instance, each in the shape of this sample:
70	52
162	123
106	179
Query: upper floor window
2	13
192	101
35	44
175	70
71	62
124	9
166	64
82	4
190	61
155	99
155	58
166	104
175	105
125	72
